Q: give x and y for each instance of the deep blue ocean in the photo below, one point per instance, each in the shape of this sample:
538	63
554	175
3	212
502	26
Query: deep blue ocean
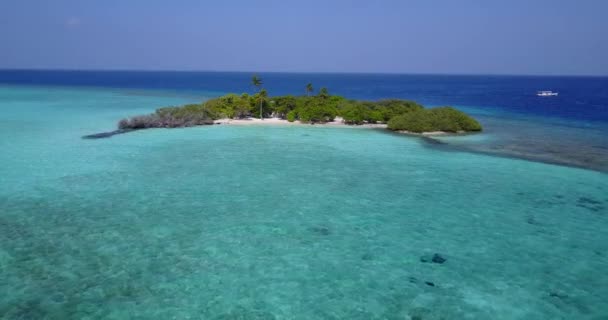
581	98
301	221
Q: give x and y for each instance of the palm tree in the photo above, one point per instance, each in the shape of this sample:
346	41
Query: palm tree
263	95
309	89
257	82
323	93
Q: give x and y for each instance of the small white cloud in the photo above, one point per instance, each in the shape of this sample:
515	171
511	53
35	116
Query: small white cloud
72	22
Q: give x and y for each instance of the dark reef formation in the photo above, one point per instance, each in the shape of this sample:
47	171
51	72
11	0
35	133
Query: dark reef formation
108	134
323	231
590	204
436	258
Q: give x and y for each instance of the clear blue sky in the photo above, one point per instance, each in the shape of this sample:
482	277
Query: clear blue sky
404	36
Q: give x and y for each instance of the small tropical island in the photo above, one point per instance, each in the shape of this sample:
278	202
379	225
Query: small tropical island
397	115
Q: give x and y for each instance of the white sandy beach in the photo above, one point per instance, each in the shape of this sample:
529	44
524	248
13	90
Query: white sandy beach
336	123
277	121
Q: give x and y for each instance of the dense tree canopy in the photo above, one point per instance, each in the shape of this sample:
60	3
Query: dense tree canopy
171	117
321	108
438	119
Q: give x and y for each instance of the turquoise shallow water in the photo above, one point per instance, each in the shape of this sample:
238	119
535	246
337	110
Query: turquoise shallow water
281	222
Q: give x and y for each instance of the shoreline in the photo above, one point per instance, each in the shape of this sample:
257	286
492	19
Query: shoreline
338	122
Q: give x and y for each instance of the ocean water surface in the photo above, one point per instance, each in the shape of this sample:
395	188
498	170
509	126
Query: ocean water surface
569	129
297	222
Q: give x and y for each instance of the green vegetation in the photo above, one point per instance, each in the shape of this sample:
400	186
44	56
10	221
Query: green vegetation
262	94
320	108
291	116
309	89
359	112
445	119
170	117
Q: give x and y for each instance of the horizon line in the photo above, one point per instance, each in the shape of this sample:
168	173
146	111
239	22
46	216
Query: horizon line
310	72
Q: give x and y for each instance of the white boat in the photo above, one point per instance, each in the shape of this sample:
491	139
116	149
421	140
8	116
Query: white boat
547	93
